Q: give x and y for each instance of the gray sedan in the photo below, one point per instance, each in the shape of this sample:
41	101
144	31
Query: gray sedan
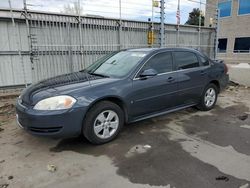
122	87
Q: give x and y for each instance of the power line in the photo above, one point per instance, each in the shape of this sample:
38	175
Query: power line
109	12
126	8
130	3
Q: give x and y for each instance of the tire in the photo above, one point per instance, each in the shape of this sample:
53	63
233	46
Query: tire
207	95
103	122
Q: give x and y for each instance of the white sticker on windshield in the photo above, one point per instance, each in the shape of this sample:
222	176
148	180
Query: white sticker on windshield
138	55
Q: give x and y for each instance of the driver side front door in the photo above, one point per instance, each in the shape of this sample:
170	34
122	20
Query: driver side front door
156	93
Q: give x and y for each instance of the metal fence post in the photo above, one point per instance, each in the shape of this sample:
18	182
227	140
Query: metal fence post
69	46
178	24
18	42
162	30
26	15
199	32
80	36
120	25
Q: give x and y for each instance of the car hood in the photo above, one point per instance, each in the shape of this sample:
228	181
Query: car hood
60	85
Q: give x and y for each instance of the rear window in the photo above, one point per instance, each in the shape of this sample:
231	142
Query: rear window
186	60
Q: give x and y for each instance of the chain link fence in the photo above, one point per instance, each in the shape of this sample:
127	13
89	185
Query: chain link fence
60	43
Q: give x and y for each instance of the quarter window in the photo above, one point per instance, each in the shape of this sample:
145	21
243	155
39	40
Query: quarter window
225	8
186	60
244	7
242	45
161	62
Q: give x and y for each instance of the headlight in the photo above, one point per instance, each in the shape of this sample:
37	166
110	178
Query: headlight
55	103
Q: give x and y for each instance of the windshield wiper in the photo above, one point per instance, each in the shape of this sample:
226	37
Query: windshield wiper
96	74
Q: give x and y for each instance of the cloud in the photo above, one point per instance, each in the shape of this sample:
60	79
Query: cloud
131	9
15	3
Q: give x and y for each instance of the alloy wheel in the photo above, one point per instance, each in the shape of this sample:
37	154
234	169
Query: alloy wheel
210	97
106	124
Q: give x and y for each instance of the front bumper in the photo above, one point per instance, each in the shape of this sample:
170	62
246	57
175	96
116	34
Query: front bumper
56	124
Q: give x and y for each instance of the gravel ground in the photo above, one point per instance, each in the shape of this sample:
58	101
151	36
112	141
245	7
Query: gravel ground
188	148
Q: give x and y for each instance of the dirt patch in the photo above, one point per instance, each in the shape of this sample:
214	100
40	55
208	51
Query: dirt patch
4	185
223	178
8	96
10	177
7	108
231	83
222	128
163	163
243	117
144	153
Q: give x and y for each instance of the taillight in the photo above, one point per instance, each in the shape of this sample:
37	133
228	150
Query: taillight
226	68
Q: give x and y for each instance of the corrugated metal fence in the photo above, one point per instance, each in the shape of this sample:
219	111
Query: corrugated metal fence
64	43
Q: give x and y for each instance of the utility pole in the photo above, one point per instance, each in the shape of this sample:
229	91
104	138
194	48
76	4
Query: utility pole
162	31
217	27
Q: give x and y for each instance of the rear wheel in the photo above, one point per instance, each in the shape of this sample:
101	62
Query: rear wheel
103	122
209	98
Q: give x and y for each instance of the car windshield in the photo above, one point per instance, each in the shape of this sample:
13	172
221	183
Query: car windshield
117	64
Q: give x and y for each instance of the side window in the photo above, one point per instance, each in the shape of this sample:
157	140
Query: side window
161	62
186	60
204	61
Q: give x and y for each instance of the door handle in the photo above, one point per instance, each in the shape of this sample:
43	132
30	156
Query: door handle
203	73
170	79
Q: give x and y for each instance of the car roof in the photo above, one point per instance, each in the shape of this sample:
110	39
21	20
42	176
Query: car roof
160	49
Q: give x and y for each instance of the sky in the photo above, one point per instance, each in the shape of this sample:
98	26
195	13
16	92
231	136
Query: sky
131	9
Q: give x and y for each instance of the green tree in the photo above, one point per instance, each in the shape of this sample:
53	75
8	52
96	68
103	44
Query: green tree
194	16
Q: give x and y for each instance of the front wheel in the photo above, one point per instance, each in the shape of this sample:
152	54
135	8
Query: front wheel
209	98
103	122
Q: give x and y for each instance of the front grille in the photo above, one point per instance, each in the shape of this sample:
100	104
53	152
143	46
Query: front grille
45	129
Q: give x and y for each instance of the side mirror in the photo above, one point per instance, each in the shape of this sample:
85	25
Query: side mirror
148	73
